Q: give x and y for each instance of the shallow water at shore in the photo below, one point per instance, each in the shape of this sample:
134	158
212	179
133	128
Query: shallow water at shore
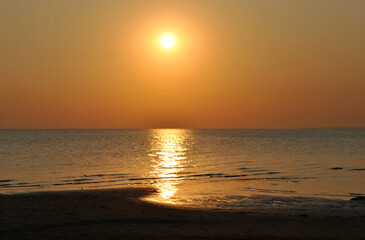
120	214
229	169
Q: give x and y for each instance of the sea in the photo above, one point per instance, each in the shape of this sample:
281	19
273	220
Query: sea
238	170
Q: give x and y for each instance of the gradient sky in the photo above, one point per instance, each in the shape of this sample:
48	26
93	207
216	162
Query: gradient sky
237	64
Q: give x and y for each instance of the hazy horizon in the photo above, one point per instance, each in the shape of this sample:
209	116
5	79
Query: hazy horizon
187	128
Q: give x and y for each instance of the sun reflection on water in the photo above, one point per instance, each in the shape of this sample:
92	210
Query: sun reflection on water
168	150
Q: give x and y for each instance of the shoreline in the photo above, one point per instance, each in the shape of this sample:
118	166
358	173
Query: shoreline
121	213
333	206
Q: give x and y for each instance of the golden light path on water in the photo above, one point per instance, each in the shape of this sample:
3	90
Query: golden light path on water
168	152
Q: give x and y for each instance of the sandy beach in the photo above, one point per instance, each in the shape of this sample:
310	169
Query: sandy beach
121	214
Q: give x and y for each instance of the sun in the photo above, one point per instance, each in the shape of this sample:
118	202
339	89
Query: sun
167	41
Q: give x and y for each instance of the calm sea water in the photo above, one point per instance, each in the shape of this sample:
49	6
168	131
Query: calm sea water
212	168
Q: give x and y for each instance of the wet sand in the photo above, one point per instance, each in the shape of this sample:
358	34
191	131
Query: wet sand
120	214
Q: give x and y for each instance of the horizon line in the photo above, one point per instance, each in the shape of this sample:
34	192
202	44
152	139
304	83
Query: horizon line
299	128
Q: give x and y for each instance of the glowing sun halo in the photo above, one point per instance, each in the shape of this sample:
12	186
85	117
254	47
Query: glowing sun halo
167	41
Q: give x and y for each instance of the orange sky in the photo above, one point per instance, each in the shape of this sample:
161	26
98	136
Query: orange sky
236	64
